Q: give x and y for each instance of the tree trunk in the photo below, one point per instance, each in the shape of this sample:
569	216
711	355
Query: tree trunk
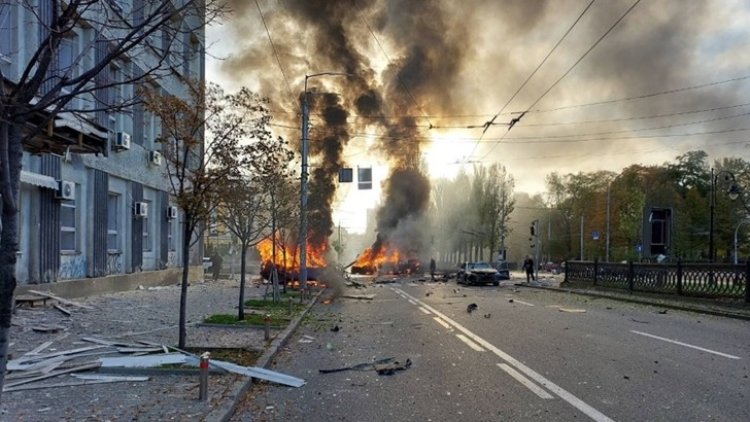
243	252
186	232
10	168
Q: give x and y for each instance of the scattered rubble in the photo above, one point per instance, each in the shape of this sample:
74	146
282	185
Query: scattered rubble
360	297
472	307
386	366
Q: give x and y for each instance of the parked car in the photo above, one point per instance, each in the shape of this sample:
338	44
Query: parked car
503	270
471	273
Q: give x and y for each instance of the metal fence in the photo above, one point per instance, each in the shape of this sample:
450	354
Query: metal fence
685	279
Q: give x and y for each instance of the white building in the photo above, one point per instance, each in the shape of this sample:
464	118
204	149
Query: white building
94	198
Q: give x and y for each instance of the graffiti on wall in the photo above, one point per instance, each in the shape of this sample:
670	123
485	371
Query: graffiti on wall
114	263
72	267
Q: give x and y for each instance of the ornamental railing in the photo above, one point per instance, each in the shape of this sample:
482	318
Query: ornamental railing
685	279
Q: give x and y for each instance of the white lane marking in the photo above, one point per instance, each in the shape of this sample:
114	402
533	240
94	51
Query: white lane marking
685	344
525	381
443	323
522	302
411	301
470	343
554	388
424	310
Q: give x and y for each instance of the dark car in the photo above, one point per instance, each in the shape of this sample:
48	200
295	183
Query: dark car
477	273
503	271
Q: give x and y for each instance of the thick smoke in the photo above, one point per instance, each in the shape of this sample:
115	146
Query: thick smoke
448	58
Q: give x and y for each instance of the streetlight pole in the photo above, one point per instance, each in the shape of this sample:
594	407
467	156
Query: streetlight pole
609	207
303	185
734	193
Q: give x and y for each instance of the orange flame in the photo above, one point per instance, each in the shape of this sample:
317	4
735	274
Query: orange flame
288	255
374	260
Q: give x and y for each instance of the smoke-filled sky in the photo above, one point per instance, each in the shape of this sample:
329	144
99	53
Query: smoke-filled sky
672	76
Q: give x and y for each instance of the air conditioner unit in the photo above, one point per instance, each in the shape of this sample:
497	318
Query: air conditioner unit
66	190
154	157
140	209
171	213
122	141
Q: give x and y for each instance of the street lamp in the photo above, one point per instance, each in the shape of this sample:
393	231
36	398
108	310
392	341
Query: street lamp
736	231
733	193
303	184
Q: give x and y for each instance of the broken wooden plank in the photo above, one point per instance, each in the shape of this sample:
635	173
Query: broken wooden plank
63	310
148	361
80	368
99	377
61	300
28	359
139	349
45	328
62	384
39	348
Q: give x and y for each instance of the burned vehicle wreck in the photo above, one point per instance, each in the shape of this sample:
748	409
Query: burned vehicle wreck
472	273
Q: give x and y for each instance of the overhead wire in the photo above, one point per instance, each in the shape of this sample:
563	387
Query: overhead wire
531	75
574	65
275	52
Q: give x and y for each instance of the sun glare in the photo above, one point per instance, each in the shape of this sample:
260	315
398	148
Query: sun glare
447	153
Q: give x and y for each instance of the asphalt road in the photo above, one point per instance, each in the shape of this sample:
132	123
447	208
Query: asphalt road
523	354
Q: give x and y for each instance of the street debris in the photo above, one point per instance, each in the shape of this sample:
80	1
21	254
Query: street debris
662	312
573	311
306	339
428	293
510	300
360	297
63	310
472	307
385	366
335	329
488	316
61	300
640	322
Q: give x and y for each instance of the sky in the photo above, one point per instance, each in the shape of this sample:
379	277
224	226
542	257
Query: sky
669	77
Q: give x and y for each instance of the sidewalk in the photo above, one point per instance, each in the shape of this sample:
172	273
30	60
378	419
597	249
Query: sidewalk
145	315
718	307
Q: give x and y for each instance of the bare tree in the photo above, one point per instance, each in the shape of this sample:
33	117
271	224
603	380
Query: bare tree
202	145
248	206
54	80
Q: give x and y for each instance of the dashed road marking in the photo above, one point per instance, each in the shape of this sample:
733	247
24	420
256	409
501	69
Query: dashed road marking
540	379
421	308
470	343
522	302
443	323
525	381
685	344
412	301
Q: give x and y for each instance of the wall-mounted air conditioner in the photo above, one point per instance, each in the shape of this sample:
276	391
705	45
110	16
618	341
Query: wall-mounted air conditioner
154	157
66	190
171	213
121	141
140	209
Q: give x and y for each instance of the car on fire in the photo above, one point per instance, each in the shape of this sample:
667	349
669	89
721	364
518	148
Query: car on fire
471	273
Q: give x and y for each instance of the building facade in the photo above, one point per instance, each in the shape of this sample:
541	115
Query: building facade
101	206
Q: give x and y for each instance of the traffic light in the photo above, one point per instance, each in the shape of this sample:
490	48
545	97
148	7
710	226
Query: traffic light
533	227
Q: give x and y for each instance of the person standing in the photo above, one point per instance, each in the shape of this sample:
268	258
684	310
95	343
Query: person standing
528	265
216	262
432	268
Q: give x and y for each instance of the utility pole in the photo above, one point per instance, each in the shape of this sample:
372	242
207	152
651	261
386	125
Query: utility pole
303	185
581	237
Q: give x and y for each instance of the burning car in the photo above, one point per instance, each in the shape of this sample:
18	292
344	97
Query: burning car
471	273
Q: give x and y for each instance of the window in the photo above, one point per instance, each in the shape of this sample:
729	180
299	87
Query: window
113	212
147	238
67	54
68	226
7	30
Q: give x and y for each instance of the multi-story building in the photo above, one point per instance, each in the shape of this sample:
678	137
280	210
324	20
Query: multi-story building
94	200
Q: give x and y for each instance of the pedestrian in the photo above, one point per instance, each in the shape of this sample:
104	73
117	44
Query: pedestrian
528	265
216	262
432	268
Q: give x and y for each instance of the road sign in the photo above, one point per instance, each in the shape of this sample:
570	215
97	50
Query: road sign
639	248
595	235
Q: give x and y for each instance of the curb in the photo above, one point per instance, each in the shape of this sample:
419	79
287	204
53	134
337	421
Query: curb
645	301
224	412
